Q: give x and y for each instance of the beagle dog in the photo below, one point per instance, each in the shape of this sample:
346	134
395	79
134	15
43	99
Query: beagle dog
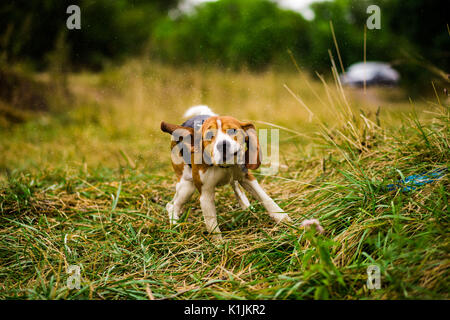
208	151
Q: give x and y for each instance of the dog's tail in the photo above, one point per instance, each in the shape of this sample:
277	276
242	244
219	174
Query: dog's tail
200	110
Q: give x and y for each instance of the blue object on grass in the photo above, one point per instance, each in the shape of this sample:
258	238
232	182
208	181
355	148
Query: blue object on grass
410	183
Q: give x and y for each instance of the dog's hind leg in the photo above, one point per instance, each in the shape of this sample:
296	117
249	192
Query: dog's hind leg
184	191
240	195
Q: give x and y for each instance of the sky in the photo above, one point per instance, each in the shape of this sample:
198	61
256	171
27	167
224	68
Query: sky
301	6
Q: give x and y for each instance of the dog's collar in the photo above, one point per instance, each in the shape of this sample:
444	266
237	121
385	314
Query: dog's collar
220	166
242	166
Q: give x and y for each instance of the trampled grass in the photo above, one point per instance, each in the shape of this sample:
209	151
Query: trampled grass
87	186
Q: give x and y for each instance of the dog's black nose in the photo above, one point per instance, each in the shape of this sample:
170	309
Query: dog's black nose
223	147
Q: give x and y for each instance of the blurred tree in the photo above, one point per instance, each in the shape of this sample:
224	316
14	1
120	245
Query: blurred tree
424	47
110	30
413	37
414	34
252	33
349	19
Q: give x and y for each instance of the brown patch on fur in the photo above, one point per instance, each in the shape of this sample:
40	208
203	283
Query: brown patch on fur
252	141
249	176
209	124
196	169
178	168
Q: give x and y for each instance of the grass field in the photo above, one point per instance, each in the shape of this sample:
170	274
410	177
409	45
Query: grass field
86	184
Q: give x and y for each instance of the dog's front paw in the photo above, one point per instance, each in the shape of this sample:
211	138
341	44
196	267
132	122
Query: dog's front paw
281	217
173	218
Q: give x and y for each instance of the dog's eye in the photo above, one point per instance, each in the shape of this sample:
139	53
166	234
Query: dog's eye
231	132
209	134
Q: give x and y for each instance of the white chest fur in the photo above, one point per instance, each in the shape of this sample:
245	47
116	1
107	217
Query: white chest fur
218	176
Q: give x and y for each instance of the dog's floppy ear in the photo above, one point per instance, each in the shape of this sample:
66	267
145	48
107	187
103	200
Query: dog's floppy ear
179	133
253	153
170	128
176	130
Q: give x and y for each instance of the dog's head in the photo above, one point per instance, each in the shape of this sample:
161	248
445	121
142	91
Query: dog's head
224	141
